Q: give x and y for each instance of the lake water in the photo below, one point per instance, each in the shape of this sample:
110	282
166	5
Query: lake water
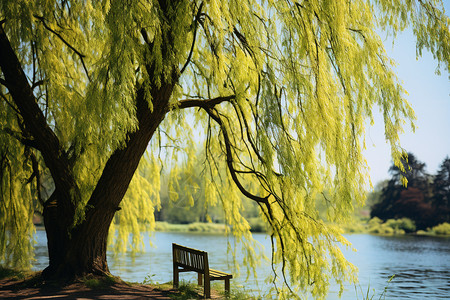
421	264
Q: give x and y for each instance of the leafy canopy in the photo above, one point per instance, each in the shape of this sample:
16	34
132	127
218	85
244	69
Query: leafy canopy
280	90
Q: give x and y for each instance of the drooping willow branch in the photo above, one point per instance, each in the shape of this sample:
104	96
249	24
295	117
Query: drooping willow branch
196	21
80	55
9	103
263	201
213	114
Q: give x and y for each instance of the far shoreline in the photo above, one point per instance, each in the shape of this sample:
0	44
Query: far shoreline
372	227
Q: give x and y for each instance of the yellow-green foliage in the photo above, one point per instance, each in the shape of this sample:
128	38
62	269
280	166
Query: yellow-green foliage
301	79
391	226
404	224
441	229
137	208
193	227
17	201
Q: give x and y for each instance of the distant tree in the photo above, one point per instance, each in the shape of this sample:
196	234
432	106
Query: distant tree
441	192
410	172
374	197
407	194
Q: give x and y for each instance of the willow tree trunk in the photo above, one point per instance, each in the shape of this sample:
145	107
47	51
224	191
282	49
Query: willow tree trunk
82	249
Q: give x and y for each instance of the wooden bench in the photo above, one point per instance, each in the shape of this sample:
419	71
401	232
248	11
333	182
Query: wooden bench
191	260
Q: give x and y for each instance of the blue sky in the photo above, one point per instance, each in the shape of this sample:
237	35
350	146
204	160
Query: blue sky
429	95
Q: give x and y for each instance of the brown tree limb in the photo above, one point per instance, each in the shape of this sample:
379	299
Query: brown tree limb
36	84
203	103
3	82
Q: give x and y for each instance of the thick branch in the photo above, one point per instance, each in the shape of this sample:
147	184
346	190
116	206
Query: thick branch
111	188
3	82
203	103
36	84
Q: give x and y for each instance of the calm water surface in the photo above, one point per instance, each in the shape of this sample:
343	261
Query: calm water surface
421	264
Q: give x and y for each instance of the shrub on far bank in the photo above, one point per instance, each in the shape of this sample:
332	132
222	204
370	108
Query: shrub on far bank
382	229
441	229
193	227
377	226
391	226
395	227
405	224
206	227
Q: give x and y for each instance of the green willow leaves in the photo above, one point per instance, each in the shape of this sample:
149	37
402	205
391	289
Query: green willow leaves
278	93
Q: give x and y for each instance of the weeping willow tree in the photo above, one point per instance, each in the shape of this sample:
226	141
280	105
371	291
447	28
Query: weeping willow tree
281	91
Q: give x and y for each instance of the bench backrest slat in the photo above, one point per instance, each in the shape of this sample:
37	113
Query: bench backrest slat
191	259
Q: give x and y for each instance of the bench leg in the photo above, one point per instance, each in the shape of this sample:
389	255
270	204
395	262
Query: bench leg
200	279
175	277
227	286
207	288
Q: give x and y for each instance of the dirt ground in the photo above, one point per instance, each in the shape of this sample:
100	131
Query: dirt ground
18	289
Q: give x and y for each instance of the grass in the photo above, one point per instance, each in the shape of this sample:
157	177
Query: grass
10	273
34	280
30	278
94	282
189	290
368	296
27	278
186	290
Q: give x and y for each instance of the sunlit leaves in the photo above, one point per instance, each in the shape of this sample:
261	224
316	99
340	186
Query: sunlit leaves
17	200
